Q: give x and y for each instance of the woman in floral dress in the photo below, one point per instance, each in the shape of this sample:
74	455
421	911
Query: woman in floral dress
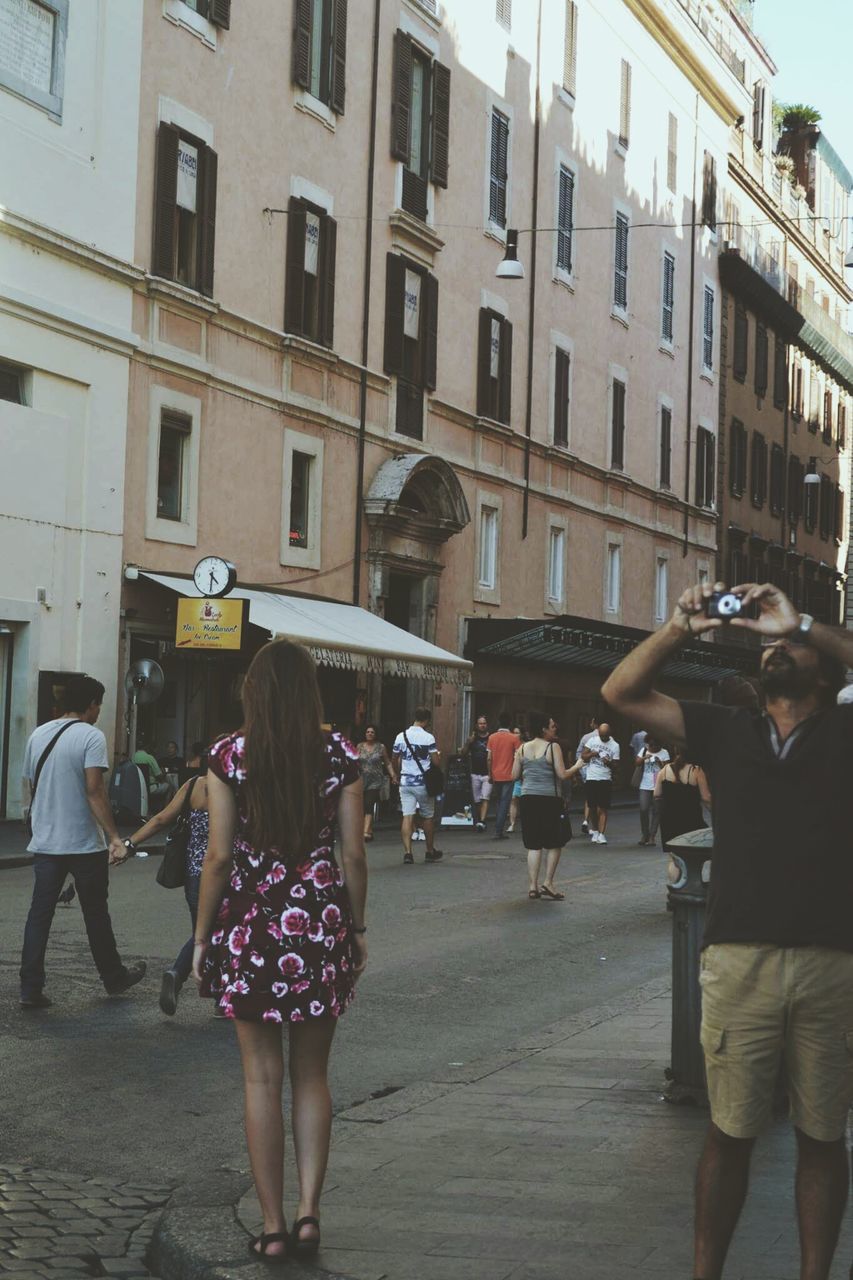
280	936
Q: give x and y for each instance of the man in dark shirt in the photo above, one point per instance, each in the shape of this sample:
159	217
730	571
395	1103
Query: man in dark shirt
777	960
477	751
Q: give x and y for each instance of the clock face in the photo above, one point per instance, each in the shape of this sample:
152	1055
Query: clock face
214	576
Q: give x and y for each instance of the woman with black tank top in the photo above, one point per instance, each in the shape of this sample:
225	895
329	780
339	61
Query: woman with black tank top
680	790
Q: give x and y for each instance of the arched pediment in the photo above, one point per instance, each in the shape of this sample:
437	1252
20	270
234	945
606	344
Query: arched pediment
420	494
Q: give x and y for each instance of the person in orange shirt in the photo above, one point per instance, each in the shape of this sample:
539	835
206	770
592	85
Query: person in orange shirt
502	746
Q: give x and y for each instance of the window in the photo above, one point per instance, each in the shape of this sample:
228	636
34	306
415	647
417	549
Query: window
32	52
300	498
814	398
758	469
570	48
665	458
741	340
309	300
797	397
411	338
777	479
667	329
737	459
709	192
810	500
617	425
839	530
216	11
705	477
503	13
661	588
498	168
613	588
11	384
761	359
620	263
841	436
708	329
672	153
420	122
494	367
758	96
565	217
184	209
320	50
737	566
795	489
625	105
827	506
780	373
562	391
827	416
175	430
488	548
556	564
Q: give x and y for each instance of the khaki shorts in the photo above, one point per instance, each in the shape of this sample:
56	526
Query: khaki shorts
762	1004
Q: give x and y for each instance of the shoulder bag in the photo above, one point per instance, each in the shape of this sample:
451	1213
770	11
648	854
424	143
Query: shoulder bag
28	821
173	869
566	832
433	777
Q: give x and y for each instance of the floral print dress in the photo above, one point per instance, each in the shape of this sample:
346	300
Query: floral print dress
281	948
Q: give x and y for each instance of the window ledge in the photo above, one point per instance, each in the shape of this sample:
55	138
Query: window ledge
311	106
305	346
666	349
491	424
183	16
406	228
426	14
707	375
493	232
620	149
568	99
161	288
565	278
617	313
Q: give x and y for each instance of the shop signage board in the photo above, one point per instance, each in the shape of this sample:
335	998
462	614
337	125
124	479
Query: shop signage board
209	624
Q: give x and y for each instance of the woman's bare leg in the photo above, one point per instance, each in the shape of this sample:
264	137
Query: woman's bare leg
552	861
310	1043
534	859
263	1074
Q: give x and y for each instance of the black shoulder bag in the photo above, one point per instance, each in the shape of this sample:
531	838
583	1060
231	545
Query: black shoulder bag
173	868
566	832
433	776
28	821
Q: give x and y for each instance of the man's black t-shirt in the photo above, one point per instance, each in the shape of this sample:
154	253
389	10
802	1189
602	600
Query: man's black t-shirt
782	870
480	755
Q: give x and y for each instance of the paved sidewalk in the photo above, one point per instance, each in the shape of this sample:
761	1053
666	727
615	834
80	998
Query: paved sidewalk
14	840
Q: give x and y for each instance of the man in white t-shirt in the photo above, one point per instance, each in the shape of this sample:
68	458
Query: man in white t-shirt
600	754
73	830
414	754
593	729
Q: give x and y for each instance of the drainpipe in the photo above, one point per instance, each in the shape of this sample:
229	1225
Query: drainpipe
690	328
365	316
528	413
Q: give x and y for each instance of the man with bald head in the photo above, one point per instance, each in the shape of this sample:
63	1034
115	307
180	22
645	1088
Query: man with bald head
599	755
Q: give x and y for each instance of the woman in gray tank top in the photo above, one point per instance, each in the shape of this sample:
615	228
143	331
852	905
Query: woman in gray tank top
540	767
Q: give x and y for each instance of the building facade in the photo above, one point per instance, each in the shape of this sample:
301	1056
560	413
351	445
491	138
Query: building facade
69	95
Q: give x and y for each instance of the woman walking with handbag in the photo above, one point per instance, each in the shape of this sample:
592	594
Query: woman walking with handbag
186	819
376	770
286	943
540	767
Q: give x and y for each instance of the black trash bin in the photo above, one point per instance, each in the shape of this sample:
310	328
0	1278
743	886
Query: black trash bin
686	1074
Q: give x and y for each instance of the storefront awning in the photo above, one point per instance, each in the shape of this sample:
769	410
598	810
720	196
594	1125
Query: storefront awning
340	635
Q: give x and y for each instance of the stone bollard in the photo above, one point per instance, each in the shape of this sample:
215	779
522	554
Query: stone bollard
686	1075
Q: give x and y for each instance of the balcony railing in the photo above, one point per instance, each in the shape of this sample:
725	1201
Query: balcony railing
828	328
715	38
761	262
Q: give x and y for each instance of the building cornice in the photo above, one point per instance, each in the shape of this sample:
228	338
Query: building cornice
74	251
679	50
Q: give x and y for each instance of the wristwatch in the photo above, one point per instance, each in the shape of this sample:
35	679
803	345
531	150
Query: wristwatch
806	624
130	846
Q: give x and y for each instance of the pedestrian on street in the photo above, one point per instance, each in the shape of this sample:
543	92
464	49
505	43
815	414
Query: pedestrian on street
414	754
476	748
681	790
638	741
591	731
777	964
375	768
286	942
159	786
515	801
502	746
649	758
539	766
73	831
600	753
193	791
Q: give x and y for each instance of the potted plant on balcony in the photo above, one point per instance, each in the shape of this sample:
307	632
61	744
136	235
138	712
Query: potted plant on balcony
798	115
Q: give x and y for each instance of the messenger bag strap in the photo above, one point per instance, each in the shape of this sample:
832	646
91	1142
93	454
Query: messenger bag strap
43	758
412	754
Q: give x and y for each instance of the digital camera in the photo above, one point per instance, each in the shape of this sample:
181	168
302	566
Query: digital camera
723	604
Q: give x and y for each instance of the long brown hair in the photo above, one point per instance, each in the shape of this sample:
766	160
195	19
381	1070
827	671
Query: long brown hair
284	748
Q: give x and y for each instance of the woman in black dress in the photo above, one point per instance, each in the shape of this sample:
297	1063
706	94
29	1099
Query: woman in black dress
680	790
280	931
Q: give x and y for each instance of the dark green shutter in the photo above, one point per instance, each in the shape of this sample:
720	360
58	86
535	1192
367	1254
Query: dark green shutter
429	299
484	342
339	57
220	13
395	287
440	147
206	219
401	97
505	374
301	56
294	285
329	235
165	201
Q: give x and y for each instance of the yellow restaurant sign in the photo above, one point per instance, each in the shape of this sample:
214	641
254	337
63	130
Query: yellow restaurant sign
209	624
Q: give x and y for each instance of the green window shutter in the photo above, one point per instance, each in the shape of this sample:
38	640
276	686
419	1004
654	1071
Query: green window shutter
294	287
430	330
395	287
401	97
339	57
440	148
165	202
220	13
206	215
505	374
300	69
484	342
329	235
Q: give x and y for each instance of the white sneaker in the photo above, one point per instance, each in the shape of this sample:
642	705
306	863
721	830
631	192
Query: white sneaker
585	828
601	839
593	835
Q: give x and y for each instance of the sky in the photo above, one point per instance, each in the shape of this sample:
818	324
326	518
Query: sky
811	44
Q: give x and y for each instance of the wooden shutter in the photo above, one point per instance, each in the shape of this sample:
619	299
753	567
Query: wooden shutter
780	373
562	368
565	218
620	275
401	97
617	426
759	469
505	374
827	507
761	359
701	463
429	301
484	342
220	13
708	328
294	285
665	447
339	57
709	192
329	234
838	530
739	363
668	307
165	202
395	288
737	459
570	49
795	488
672	153
206	215
300	67
625	105
439	159
758	92
498	168
841	438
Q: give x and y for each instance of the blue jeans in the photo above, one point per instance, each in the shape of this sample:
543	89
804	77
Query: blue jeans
91	876
502	793
184	962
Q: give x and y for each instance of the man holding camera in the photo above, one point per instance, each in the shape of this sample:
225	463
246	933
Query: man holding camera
777	963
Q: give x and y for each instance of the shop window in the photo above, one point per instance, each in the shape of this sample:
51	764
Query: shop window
320	50
175	431
184	209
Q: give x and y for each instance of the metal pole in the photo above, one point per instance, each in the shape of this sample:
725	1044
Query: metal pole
528	415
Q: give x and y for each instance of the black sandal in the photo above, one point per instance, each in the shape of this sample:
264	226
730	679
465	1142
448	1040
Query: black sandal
261	1255
545	892
305	1248
533	893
